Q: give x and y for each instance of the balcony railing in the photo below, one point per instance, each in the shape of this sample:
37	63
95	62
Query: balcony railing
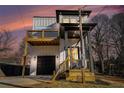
42	34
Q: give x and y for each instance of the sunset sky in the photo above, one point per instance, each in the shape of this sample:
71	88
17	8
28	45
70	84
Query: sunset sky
18	19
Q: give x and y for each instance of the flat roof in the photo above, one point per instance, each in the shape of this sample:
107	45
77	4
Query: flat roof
74	26
44	16
71	12
41	30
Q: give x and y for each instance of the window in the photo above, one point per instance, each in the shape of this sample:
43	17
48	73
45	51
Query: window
50	33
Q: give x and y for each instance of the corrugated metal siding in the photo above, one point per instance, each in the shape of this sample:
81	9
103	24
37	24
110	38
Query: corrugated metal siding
40	23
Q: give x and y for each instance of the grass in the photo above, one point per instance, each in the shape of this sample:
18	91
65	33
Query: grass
101	82
66	84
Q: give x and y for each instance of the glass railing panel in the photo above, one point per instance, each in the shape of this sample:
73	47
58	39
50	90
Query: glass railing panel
50	33
42	34
34	34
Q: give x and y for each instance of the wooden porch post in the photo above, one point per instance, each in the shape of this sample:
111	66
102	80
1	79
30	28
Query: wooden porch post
82	47
25	55
82	40
71	56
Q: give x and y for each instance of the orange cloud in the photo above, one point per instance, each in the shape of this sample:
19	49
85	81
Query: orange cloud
15	25
23	18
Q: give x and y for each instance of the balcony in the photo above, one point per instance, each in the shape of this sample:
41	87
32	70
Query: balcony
42	37
73	19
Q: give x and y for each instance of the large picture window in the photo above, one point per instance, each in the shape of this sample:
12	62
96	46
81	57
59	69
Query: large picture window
73	52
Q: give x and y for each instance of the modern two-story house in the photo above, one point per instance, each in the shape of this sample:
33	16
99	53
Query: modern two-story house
53	40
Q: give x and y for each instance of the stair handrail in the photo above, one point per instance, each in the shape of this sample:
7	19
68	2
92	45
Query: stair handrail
66	60
60	67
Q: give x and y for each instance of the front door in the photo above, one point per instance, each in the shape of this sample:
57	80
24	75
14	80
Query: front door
45	65
73	54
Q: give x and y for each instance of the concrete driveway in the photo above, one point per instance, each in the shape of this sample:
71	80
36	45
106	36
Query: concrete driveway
17	82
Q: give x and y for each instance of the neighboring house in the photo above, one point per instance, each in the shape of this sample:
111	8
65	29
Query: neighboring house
53	39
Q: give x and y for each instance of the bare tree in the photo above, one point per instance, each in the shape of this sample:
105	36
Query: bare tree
118	36
21	48
99	38
7	41
20	52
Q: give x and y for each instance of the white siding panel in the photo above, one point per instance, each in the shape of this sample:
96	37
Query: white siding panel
57	51
33	65
42	51
62	52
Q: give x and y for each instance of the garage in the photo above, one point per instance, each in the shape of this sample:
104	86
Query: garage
45	65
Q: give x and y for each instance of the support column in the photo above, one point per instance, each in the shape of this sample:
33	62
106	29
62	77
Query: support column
90	52
71	60
25	55
82	47
66	49
84	52
85	47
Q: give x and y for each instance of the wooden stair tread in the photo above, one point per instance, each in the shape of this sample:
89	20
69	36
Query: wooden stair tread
79	70
76	75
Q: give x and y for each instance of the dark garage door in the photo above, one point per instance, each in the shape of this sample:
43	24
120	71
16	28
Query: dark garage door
45	65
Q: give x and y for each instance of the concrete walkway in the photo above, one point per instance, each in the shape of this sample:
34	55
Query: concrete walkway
17	82
6	86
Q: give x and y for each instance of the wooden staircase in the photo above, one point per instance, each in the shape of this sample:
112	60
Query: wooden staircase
62	69
77	75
